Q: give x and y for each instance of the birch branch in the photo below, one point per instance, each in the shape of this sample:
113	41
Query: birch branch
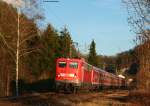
26	53
9	48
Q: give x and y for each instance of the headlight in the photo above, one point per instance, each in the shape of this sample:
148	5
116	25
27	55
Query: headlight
75	75
58	75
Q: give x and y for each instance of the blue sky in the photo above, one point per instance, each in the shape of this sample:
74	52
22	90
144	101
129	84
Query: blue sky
105	21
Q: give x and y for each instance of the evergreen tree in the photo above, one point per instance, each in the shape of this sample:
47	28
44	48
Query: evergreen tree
44	59
66	43
92	58
50	42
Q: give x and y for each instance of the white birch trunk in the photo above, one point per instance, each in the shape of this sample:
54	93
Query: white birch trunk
17	53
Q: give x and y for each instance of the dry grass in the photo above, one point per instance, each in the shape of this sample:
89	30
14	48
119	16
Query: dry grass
140	96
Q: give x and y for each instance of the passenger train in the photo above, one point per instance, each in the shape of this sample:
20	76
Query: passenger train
73	74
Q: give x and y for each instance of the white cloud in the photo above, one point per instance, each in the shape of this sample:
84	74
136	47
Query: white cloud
9	1
15	2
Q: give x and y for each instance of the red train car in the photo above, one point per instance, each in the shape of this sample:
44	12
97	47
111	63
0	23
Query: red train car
69	73
73	74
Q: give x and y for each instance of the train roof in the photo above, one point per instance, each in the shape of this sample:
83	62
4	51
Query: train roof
83	60
101	70
73	59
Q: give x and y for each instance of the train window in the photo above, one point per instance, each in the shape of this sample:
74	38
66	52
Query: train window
73	65
85	66
62	64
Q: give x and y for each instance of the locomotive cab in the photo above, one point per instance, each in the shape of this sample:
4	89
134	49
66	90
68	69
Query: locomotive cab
67	72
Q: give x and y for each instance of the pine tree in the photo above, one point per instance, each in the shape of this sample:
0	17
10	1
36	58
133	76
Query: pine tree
50	42
65	42
92	58
45	58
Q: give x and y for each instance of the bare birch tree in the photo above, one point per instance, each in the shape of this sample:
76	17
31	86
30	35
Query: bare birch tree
139	19
24	29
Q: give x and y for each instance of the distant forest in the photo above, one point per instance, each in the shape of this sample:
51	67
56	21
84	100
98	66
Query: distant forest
39	49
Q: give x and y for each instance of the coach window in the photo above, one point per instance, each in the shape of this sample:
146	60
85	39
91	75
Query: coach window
85	67
62	64
73	65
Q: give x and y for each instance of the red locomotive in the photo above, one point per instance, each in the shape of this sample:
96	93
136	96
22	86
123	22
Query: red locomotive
73	74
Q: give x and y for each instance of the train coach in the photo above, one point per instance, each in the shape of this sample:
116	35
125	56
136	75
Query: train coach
73	74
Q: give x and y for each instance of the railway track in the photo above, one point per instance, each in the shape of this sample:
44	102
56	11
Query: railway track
61	99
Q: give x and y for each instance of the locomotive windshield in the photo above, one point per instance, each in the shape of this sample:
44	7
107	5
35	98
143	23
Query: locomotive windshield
62	64
73	65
